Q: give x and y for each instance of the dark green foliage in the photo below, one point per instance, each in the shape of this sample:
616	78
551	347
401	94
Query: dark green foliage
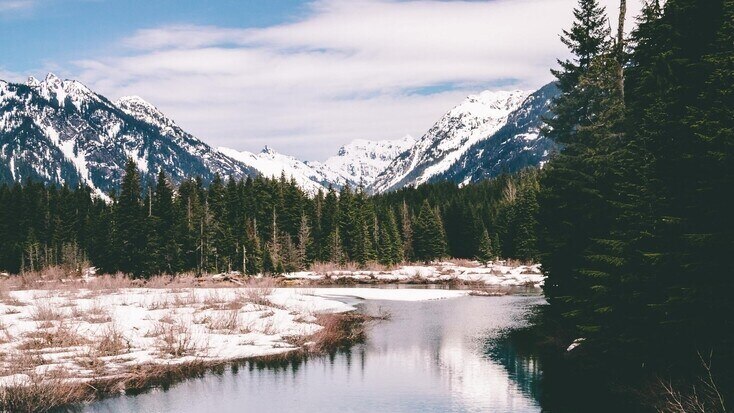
485	252
428	235
635	224
130	233
249	225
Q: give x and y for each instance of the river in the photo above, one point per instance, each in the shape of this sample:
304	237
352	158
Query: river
431	356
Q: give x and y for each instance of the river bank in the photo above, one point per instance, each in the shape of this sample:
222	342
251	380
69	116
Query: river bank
66	346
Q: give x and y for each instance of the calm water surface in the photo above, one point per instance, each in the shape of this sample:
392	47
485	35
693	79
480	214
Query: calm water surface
434	356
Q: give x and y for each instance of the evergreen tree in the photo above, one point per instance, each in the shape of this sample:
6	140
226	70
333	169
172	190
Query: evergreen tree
572	211
131	228
429	242
485	251
304	244
406	231
162	245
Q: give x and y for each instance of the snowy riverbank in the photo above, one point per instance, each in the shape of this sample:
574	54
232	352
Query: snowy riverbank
499	273
91	335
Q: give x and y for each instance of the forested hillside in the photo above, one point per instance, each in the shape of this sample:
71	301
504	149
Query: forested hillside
258	225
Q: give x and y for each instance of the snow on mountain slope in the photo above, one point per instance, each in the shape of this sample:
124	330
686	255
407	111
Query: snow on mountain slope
361	161
358	162
517	145
59	131
272	164
475	119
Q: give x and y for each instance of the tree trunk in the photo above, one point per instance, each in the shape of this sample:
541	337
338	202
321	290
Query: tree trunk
620	47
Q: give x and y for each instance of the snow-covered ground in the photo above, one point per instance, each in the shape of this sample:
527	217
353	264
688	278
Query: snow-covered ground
498	273
91	334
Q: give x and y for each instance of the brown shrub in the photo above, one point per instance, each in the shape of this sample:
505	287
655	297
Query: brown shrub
258	290
227	321
338	330
40	394
60	336
44	311
112	342
175	340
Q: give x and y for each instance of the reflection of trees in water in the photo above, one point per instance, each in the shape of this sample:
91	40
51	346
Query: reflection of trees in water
293	361
522	365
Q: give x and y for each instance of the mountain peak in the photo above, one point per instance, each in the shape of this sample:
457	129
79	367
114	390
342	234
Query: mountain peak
477	118
53	88
52	78
141	109
133	99
32	81
80	137
267	150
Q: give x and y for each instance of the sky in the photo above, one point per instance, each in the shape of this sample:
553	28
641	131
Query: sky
303	77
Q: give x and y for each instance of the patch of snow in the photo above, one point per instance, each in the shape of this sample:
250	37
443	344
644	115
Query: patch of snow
496	273
575	344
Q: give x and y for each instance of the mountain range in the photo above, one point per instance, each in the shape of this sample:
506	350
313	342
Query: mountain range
61	132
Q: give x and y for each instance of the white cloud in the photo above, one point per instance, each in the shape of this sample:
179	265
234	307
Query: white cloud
15	5
347	70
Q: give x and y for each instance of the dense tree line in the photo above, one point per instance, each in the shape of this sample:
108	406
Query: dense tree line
635	222
259	225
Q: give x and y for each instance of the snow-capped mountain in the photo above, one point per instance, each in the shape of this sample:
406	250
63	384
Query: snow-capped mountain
475	119
357	163
272	164
59	131
518	144
361	161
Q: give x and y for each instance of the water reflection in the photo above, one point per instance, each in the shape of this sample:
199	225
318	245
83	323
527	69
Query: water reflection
438	356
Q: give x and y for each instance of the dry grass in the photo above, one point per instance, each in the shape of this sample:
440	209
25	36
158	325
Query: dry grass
45	311
111	342
95	314
41	394
226	321
175	340
257	291
54	337
158	303
515	263
463	262
331	267
108	282
5	336
214	299
339	330
186	299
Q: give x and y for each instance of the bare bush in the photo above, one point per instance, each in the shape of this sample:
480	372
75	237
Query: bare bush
701	397
95	314
44	311
338	330
175	340
463	262
258	290
227	321
41	394
60	336
112	342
